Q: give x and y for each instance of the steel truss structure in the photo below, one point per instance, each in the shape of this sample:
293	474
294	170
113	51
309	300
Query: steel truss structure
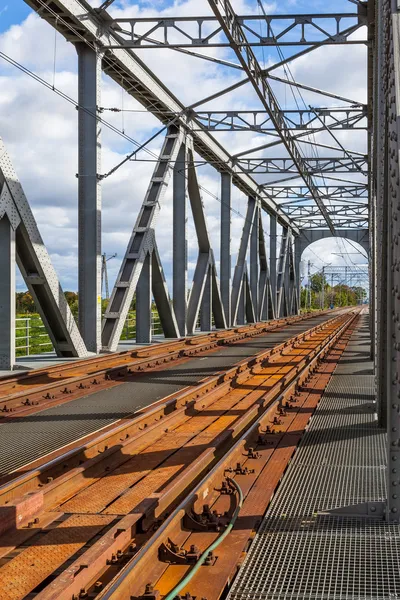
303	140
306	173
302	176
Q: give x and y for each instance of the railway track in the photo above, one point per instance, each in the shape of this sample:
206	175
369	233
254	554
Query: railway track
22	394
90	523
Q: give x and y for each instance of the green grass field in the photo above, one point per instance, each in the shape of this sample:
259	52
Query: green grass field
31	336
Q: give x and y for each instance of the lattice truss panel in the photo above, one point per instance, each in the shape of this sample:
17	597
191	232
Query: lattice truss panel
21	241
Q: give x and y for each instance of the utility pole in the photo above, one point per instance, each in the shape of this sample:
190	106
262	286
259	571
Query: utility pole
309	282
323	289
104	274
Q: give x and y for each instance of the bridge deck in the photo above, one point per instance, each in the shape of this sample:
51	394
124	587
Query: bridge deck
41	433
299	552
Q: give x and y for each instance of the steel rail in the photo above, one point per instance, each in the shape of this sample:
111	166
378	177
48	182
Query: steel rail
146	567
72	456
25	394
56	492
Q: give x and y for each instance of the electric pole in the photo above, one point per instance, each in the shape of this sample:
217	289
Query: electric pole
104	274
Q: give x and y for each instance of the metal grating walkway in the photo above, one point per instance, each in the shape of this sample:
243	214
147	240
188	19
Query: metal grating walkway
299	553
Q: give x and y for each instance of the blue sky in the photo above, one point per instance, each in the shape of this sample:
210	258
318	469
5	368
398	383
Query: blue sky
12	12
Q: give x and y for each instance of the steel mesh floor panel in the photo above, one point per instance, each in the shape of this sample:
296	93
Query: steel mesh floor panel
299	552
327	487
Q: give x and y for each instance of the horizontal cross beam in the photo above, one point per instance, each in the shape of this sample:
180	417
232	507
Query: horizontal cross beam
259	120
330	164
344	223
324	191
356	210
269	30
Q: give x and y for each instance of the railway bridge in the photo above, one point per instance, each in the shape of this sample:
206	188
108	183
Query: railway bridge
250	449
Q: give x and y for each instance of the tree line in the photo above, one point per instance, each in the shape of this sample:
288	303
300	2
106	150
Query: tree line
26	305
319	294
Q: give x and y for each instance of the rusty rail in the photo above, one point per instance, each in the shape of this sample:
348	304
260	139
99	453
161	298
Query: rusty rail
257	462
103	501
27	393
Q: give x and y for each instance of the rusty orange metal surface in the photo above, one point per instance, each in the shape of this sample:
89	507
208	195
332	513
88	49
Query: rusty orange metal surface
258	489
46	552
140	479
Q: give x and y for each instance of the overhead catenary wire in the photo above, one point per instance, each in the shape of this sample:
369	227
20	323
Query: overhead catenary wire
288	71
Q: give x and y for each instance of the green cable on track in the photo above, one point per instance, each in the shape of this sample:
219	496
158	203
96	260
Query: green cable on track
173	593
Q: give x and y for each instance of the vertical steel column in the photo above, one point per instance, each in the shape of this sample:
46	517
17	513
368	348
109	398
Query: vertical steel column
254	250
272	260
7	294
225	251
205	310
241	264
281	289
143	303
382	224
179	269
392	81
89	193
297	261
241	307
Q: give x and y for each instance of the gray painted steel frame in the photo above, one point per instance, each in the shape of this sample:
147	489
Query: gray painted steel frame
76	18
7	292
205	282
240	278
295	29
89	195
36	268
225	251
141	244
387	194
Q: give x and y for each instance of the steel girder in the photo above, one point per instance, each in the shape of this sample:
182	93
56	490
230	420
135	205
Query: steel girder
140	257
353	118
331	164
386	189
347	223
77	21
302	212
21	241
200	32
327	192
